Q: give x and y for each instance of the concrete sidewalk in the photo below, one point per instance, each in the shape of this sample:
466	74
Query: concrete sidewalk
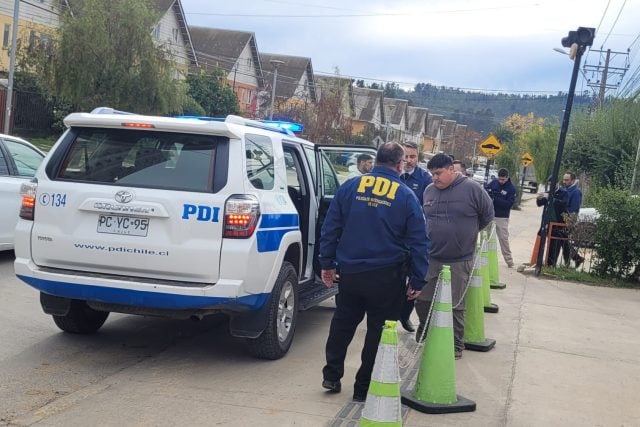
566	354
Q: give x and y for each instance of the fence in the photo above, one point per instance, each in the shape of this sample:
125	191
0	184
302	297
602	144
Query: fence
31	112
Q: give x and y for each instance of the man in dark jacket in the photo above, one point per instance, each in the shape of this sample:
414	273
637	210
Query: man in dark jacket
456	209
417	179
503	193
374	228
557	210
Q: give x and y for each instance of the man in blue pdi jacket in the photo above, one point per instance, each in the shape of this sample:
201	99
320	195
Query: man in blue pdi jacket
417	179
456	209
374	228
503	194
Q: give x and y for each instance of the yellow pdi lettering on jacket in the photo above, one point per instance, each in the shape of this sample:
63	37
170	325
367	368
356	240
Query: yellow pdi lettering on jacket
379	186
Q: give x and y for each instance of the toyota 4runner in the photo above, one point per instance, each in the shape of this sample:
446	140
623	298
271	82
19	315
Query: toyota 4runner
178	217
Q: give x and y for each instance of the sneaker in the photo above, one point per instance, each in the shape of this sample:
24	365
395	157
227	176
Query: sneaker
332	386
458	354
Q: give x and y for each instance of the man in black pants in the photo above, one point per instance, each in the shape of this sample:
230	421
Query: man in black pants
374	228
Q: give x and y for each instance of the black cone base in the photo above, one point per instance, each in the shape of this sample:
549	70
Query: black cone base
498	286
491	308
462	405
485	345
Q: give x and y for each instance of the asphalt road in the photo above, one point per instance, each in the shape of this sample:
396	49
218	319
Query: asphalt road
152	371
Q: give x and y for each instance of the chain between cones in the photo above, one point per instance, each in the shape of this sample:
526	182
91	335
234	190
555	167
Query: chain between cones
421	341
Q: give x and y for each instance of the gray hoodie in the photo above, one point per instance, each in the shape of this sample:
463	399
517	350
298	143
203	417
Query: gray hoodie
454	217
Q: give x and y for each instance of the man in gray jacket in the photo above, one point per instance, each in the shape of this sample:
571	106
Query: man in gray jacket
456	209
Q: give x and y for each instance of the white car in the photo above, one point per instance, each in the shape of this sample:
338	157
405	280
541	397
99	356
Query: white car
19	161
479	174
177	217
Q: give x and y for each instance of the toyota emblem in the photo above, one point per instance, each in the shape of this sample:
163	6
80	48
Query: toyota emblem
123	196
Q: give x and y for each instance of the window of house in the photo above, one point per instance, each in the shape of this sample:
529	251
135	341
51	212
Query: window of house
156	32
7	35
259	153
175	33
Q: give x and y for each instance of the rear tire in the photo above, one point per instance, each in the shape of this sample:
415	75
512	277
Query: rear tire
275	340
81	319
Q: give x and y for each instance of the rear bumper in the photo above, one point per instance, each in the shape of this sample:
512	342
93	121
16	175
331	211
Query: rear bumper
221	296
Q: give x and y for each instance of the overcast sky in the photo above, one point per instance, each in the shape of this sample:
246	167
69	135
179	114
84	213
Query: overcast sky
491	44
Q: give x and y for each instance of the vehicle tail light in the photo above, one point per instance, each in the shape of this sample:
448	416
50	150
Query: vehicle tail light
28	195
241	215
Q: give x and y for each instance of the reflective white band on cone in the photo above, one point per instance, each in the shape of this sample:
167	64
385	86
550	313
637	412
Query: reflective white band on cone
385	369
442	319
476	281
382	409
444	296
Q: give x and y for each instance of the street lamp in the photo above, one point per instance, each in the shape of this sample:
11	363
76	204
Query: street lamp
577	41
391	110
276	63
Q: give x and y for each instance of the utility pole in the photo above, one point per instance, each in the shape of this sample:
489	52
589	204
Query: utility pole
603	81
606	76
276	63
12	67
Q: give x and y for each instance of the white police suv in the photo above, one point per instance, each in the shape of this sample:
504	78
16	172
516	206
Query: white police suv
178	217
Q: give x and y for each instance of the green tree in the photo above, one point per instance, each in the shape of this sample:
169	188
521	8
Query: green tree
105	55
603	145
212	93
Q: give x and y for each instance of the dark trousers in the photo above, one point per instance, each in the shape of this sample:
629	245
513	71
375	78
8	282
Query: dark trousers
407	308
378	294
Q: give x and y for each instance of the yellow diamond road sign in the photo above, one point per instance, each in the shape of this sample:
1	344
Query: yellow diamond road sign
491	146
526	159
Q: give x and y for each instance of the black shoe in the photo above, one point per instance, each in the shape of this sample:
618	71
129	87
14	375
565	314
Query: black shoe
332	386
359	397
419	337
578	261
407	325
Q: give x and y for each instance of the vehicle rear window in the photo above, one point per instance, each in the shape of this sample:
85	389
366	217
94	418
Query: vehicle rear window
174	161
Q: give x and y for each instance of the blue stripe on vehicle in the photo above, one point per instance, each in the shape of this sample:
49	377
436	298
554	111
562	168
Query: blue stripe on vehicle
269	240
143	298
279	220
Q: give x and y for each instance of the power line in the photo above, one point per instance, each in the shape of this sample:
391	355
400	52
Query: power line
614	22
359	15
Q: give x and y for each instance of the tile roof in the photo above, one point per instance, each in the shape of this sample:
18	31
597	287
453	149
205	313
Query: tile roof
366	101
395	109
290	72
416	119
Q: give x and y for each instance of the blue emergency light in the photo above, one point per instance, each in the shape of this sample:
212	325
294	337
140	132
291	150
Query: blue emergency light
292	126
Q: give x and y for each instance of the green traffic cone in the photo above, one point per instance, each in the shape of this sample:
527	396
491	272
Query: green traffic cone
484	270
494	274
382	407
435	390
474	338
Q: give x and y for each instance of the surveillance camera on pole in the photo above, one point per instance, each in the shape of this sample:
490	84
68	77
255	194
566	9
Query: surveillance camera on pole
577	42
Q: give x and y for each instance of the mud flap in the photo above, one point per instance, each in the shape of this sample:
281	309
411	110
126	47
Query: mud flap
251	323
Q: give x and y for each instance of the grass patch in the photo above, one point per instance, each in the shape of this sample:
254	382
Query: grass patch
572	275
43	143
